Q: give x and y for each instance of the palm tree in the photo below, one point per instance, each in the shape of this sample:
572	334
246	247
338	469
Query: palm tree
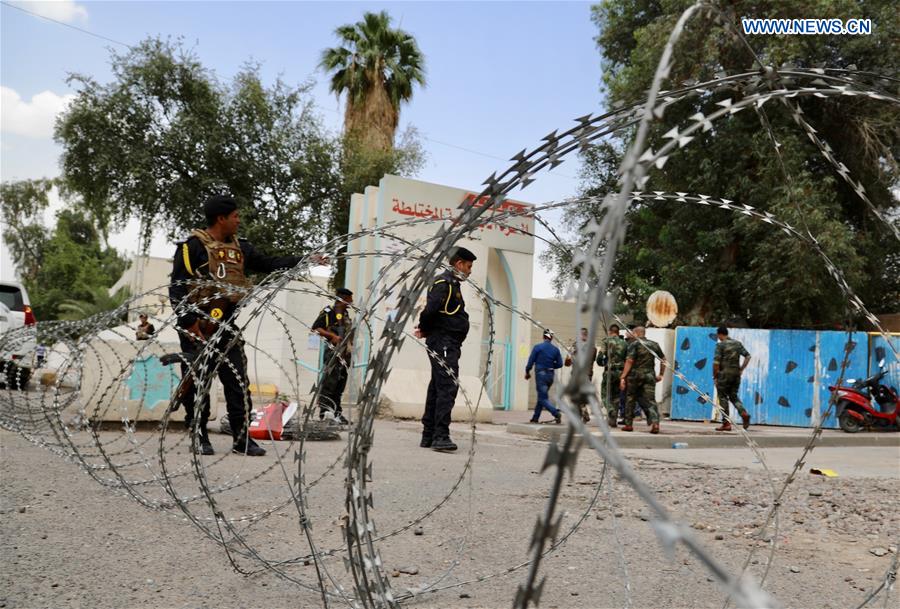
377	67
99	301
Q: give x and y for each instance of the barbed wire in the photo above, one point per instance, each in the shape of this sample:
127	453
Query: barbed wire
95	359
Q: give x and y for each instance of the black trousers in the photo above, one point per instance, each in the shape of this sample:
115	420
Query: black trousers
332	384
443	387
232	373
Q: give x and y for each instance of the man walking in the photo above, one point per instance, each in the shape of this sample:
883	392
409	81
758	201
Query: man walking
639	378
545	358
334	325
215	253
579	345
444	324
727	370
612	359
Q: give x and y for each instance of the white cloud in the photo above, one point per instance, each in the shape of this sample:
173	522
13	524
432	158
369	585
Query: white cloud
33	118
66	11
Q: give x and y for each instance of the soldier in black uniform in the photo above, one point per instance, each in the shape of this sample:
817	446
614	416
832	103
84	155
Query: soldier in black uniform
216	253
444	323
333	324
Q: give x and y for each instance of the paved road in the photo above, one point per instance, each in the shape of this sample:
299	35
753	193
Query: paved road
66	541
848	462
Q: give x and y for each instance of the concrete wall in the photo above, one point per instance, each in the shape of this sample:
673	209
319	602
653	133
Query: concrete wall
122	377
666	339
147	275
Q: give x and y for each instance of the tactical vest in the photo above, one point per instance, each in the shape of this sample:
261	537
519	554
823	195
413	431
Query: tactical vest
226	265
452	318
340	324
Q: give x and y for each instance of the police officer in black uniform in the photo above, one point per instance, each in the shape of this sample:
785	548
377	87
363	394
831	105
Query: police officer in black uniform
216	253
444	323
334	324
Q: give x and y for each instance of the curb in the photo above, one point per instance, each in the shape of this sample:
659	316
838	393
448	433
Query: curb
640	438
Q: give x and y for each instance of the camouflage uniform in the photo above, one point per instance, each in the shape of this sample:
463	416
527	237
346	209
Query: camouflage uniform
577	346
640	386
612	358
728	382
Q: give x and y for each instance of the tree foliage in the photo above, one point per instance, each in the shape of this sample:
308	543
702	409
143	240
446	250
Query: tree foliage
165	134
723	266
22	205
376	66
66	262
99	301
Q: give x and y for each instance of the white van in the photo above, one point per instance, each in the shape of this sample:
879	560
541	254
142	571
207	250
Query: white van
17	335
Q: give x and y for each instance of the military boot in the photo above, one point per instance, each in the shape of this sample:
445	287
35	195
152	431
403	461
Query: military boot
203	445
245	446
443	445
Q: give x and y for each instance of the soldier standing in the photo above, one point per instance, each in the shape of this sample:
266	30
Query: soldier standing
577	346
444	324
612	359
334	325
727	369
215	253
639	378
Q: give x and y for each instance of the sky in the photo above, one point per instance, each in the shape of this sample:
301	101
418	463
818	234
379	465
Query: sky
501	75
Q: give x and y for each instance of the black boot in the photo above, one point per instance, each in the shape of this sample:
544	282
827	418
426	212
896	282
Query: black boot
248	447
443	445
204	446
426	441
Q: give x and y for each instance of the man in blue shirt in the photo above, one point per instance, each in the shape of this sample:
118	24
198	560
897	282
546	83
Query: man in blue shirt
545	358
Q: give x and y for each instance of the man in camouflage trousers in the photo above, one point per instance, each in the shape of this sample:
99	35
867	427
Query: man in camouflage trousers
582	343
612	359
639	378
727	369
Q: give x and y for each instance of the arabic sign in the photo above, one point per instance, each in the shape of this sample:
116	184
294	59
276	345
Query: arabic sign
507	226
421	210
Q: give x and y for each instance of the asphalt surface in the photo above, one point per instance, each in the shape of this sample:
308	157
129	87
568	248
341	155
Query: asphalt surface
70	540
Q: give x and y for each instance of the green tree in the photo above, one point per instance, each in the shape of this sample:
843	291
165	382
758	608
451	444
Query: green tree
376	66
68	262
165	134
99	301
361	166
725	266
22	205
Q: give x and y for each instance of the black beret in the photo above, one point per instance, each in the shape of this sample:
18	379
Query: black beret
343	292
219	205
463	254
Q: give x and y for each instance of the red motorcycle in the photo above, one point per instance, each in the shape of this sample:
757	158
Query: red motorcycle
855	410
